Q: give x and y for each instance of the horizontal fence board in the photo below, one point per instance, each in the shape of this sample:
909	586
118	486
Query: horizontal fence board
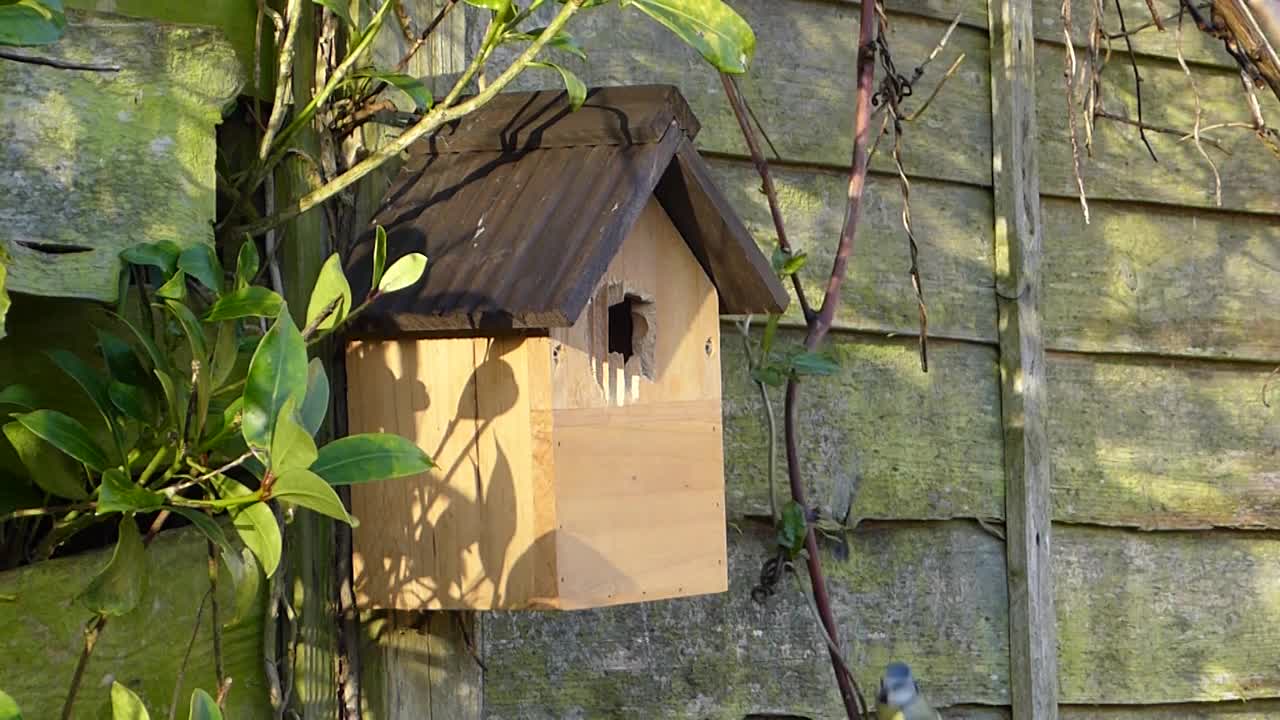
801	83
43	635
1228	710
952	225
1121	169
1162	444
1197	47
1146	279
1166	617
906	444
931	595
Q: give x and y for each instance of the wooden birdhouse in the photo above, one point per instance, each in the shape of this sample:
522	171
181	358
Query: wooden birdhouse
560	360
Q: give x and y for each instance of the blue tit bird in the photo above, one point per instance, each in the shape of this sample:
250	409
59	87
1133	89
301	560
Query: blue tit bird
900	698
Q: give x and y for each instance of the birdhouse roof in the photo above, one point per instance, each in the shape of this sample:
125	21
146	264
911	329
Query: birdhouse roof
521	206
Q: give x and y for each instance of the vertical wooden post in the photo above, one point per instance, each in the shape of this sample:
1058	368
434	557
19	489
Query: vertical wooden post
1033	659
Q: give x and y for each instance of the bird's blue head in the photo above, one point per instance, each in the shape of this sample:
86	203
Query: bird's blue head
897	687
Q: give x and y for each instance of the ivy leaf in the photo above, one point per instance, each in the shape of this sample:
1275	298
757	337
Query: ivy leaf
277	372
291	447
19	396
316	404
117	589
369	457
133	402
812	363
200	261
122	362
31	22
340	9
125	705
50	470
303	487
254	523
9	709
252	301
202	705
330	284
793	528
379	254
246	263
709	26
66	434
786	264
175	288
572	84
119	493
403	273
409	85
162	254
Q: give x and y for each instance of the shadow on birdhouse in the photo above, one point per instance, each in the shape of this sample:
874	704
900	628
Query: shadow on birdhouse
560	360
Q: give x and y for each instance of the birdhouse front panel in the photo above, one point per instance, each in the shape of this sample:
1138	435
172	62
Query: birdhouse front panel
559	360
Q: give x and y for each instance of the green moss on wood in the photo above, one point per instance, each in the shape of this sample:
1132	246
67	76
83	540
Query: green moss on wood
96	161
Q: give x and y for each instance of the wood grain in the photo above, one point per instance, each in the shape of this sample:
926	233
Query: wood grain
1162	444
1155	280
97	161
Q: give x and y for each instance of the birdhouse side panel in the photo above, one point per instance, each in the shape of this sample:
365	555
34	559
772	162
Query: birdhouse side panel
465	535
650	333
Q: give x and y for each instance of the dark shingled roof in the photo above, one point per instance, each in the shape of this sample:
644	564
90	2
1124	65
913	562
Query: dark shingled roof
521	206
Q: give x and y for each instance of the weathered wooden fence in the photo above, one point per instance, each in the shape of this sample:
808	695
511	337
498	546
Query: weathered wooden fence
1105	377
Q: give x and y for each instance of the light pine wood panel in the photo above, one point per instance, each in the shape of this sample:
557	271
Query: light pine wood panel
1167	617
1161	280
1120	167
800	84
1162	444
906	444
952	225
44	635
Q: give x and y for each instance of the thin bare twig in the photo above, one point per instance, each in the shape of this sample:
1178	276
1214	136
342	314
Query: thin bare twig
1137	82
56	62
1181	134
915	114
284	77
186	657
1155	16
744	328
1195	130
426	33
1070	74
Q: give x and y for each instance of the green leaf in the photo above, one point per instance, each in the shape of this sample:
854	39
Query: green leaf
252	301
340	9
254	523
403	273
19	396
122	362
787	264
770	375
212	530
369	457
330	284
176	395
66	434
119	493
247	586
50	470
561	41
125	705
246	263
709	26
379	254
770	334
175	288
812	363
409	85
158	360
303	487
292	447
792	529
17	493
88	379
31	22
163	255
117	589
225	351
494	5
202	705
191	328
200	261
577	91
277	372
133	402
9	708
316	404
